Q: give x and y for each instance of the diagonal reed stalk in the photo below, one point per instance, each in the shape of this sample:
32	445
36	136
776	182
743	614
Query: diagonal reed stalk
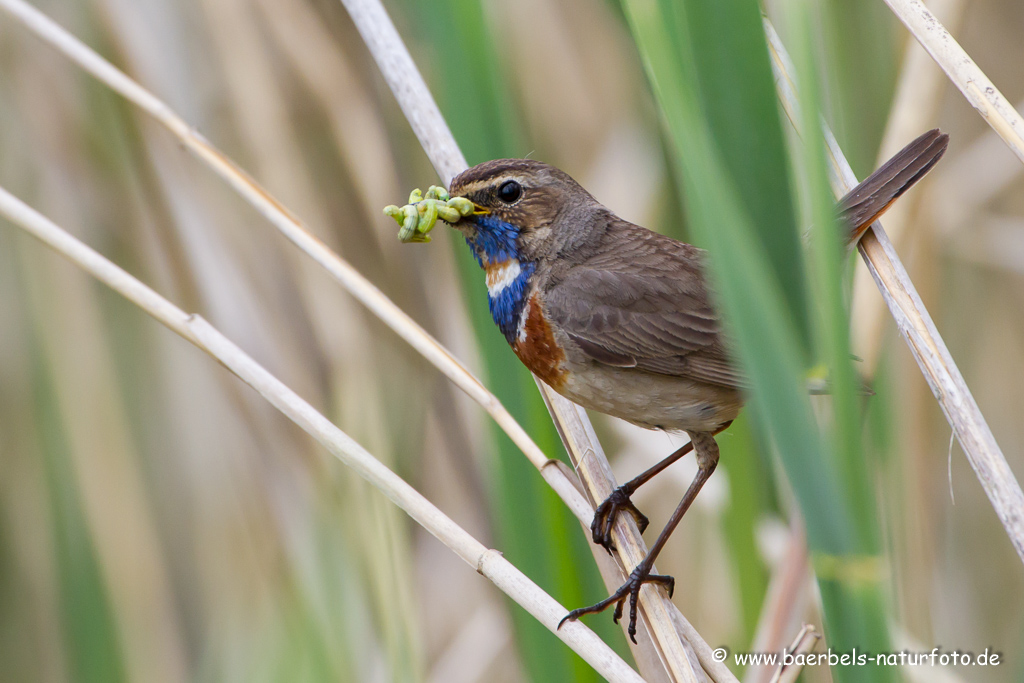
573	425
349	278
658	614
915	107
916	327
899	293
196	330
982	94
829	486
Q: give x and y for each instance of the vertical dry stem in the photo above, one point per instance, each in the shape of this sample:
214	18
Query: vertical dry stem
916	326
419	107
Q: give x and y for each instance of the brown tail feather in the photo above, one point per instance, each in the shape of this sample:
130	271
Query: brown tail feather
869	200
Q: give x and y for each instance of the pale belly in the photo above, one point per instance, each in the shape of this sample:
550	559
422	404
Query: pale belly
651	400
646	399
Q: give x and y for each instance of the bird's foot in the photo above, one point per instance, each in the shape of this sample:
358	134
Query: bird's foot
631	589
604	517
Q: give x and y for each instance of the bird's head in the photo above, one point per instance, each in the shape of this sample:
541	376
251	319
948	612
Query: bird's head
524	205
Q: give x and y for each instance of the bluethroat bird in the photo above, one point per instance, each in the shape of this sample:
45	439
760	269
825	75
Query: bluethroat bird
620	319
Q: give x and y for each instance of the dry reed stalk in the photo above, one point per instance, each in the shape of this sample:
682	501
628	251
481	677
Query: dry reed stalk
916	326
362	289
784	602
295	28
914	108
910	225
100	456
574	426
304	40
196	330
343	272
962	71
662	620
347	276
804	642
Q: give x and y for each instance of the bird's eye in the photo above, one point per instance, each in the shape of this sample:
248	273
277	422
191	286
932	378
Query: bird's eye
510	191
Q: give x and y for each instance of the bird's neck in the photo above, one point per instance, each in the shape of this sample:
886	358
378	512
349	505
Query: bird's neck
495	244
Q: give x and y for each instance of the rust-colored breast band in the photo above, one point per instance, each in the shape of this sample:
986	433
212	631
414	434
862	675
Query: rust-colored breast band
538	349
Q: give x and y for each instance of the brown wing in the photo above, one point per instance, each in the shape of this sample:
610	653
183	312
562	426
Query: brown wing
639	300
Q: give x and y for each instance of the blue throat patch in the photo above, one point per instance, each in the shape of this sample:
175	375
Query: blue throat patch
495	243
507	307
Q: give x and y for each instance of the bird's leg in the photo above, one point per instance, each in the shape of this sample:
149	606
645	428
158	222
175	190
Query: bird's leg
707	459
619	500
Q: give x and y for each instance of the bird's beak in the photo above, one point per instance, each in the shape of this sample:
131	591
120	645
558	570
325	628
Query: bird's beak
477	209
468	208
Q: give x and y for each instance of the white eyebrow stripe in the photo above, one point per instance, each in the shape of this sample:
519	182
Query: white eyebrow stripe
489	182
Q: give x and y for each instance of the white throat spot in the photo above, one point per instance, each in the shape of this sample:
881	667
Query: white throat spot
501	276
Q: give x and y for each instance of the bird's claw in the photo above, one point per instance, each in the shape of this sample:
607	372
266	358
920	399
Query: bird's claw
604	517
418	217
631	589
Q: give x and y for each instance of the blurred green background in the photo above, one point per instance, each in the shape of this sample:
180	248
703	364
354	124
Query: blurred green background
159	522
